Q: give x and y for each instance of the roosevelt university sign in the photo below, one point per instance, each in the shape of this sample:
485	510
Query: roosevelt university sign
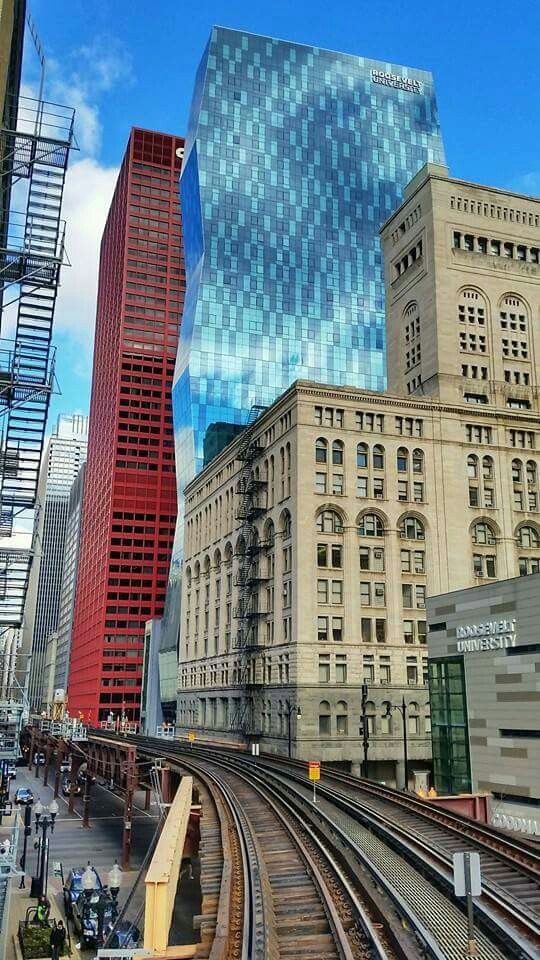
491	635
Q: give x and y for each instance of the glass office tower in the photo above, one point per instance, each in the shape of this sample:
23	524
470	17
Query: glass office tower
294	158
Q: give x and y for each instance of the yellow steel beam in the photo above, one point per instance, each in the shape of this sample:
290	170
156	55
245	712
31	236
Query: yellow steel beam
162	875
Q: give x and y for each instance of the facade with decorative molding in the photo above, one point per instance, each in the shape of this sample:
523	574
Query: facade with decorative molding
314	538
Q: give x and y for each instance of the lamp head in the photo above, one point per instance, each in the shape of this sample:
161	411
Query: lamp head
88	881
53	809
115	879
298	713
38	810
388	713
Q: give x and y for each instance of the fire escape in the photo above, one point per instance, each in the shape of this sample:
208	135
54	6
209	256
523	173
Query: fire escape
33	163
247	718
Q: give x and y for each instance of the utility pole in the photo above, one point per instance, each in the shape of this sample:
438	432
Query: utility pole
364	729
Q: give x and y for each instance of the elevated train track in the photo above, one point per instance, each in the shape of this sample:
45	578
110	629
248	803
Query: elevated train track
366	873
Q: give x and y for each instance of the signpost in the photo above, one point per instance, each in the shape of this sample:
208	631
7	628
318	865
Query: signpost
314	770
468	883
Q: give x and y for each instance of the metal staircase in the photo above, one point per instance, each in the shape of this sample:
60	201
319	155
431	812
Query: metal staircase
247	718
31	255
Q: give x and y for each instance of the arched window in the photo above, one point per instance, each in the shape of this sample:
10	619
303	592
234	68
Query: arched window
482	533
378	457
386	717
286	524
472	466
487	468
321	450
471	308
228	553
527	536
418	461
370	525
362	454
411	528
188	577
325	727
531	471
337	453
342	718
402	460
370	716
517	471
329	522
413	717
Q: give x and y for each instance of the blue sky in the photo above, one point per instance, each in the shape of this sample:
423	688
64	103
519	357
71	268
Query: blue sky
129	62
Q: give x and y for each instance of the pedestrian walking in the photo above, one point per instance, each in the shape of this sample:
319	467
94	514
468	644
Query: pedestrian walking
57	940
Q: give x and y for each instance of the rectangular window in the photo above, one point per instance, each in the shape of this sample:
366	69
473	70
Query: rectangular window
365	593
403	490
380	631
322	555
322	629
361	486
378	559
324	725
408	633
420	595
378	489
533	502
341	668
322	591
379	595
406	561
320	483
368	669
365	558
385	672
518	499
342	724
418	492
337	591
337	629
412	672
324	668
337	556
474	497
419	561
407	595
337	484
365	629
318	415
421	631
489	497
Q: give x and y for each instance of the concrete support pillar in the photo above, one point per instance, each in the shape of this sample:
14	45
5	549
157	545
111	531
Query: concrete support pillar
57	771
166	786
356	768
147	798
400	775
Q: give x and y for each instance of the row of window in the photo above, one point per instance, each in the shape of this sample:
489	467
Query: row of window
369	422
495	248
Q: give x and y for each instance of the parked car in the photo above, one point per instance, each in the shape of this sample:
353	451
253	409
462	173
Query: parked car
85	919
66	788
125	936
65	766
73	888
24	796
12	772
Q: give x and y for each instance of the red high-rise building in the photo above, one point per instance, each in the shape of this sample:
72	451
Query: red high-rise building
129	508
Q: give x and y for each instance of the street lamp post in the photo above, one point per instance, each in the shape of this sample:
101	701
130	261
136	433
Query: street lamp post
402	707
27	833
45	818
291	707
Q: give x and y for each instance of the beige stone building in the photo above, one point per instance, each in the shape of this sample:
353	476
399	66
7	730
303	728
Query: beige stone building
312	540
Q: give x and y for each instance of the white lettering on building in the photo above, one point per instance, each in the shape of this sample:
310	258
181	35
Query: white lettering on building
521	824
491	635
392	80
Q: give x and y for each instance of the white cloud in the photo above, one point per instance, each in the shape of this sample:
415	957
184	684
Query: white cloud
87	197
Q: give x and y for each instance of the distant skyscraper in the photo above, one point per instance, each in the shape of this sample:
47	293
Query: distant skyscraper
129	504
69	581
294	158
65	454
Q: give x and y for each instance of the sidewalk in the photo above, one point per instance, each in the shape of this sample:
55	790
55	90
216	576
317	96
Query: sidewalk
20	901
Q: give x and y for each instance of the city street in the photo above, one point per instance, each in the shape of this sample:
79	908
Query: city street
73	845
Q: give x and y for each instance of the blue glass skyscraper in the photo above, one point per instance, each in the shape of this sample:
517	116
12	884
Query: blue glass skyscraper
294	158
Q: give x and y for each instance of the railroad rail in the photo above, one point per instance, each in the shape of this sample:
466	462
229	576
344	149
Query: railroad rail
411	867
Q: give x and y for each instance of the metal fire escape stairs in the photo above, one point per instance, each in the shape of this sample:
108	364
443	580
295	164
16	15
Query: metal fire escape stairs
247	717
33	160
